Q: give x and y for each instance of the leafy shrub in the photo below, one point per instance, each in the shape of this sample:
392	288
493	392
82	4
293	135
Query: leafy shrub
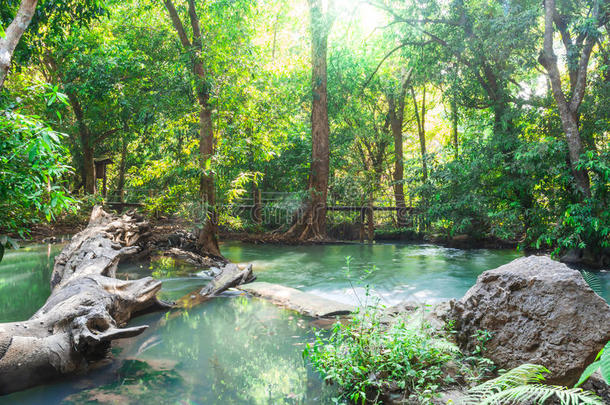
32	165
367	358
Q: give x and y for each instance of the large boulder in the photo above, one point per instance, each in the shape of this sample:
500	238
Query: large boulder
538	311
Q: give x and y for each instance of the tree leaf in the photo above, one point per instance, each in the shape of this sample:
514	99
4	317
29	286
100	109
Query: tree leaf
592	368
605	363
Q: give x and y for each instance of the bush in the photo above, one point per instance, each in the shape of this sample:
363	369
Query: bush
32	165
366	357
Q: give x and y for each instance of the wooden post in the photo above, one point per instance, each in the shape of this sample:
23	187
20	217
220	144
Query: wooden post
104	185
362	219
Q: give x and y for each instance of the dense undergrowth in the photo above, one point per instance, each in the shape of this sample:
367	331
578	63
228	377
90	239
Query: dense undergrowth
377	358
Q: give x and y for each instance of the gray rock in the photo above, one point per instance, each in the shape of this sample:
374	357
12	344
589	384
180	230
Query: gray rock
539	311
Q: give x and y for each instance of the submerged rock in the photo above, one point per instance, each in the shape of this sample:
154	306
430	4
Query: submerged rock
538	311
304	303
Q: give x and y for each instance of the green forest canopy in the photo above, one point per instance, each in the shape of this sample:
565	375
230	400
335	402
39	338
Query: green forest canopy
488	118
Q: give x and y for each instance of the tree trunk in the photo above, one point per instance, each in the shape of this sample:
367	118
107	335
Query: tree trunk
85	138
421	130
568	109
370	222
207	238
312	223
454	127
257	206
396	111
88	164
86	145
122	168
86	310
13	34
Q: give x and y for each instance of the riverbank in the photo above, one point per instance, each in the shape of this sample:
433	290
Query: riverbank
165	227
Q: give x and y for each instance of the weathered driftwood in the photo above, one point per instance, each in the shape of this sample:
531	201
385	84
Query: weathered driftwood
230	276
86	310
192	258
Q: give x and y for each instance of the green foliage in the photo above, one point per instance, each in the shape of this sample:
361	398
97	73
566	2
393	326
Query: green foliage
522	385
366	358
32	166
593	281
602	363
508	179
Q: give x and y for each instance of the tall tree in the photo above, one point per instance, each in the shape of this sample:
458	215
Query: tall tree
578	47
396	110
312	223
421	129
13	34
207	239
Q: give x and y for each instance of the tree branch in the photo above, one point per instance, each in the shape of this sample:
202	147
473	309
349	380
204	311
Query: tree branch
105	135
13	34
173	14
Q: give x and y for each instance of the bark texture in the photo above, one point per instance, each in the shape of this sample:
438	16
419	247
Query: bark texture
85	135
87	308
421	129
208	235
311	223
396	109
13	34
568	106
454	128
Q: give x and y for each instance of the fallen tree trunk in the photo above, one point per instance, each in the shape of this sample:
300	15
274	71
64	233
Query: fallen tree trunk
87	308
230	276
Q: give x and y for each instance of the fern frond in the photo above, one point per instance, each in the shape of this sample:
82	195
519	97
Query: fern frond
592	368
539	394
443	345
520	376
593	281
605	363
602	363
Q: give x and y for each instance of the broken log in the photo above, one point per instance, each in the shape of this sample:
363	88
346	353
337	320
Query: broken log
230	276
87	309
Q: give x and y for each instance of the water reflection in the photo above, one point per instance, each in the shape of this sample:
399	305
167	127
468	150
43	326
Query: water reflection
226	351
25	275
237	350
402	271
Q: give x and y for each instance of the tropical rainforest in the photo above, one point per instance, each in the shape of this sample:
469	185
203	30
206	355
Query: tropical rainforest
482	118
467	123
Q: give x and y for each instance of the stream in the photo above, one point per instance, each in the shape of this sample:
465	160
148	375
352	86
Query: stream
235	349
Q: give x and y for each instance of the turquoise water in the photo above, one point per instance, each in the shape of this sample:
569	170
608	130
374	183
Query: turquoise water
235	349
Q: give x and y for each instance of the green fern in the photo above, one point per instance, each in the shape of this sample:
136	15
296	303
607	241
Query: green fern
444	346
593	282
605	362
602	363
523	375
523	385
539	394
